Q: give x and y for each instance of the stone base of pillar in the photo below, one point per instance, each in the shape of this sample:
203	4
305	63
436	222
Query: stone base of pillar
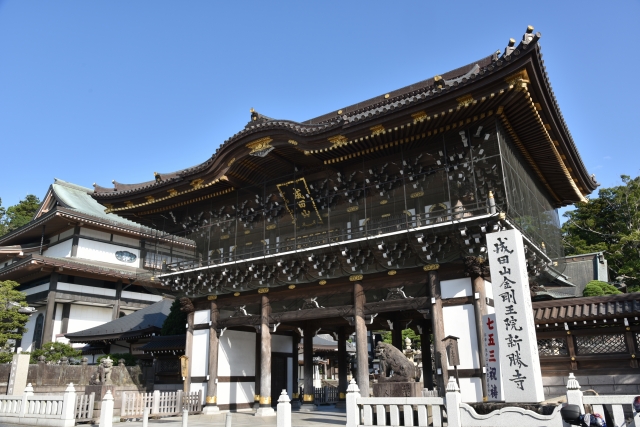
308	407
210	410
265	412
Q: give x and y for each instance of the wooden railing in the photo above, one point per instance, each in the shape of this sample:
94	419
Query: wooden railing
160	404
84	407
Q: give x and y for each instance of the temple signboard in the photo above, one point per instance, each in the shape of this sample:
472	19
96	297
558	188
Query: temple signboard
297	199
492	358
517	344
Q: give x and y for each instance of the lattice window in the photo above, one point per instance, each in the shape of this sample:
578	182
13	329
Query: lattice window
601	344
553	347
167	366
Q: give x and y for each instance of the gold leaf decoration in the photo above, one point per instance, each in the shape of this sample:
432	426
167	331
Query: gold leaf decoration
355	277
212	297
322	282
417	194
391	272
263	290
338	141
431	267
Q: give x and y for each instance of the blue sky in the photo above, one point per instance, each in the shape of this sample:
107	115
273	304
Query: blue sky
92	91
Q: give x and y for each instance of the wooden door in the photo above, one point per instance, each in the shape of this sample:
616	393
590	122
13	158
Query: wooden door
278	376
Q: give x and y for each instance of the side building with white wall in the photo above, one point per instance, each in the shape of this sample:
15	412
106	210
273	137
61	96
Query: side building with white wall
80	267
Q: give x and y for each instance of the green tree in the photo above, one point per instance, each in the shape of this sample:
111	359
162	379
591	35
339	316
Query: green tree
596	288
18	215
54	351
129	359
175	321
12	322
406	333
609	223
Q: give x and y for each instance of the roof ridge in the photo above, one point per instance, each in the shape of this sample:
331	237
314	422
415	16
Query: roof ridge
71	185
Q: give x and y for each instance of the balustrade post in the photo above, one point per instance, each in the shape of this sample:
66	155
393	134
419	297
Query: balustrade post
283	416
452	402
574	394
69	406
155	404
106	410
353	413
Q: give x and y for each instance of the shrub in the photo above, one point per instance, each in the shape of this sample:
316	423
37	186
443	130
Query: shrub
597	288
54	351
129	359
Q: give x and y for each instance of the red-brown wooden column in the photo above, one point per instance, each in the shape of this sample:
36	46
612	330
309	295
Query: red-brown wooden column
265	408
212	383
437	328
362	352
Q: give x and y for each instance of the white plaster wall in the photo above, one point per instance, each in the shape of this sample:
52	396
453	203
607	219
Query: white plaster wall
27	337
236	392
200	353
281	344
83	317
97	234
471	390
36	289
196	387
236	354
456	288
84	289
61	250
66	233
105	252
140	296
489	291
201	317
57	322
459	321
126	240
119	347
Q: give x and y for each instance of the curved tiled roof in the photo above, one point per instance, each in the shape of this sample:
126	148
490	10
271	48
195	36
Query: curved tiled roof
312	135
587	308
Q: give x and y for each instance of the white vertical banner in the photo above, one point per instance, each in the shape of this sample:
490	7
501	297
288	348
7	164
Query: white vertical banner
492	358
518	346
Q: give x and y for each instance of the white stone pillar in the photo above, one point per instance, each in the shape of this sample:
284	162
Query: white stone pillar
517	342
106	410
283	418
155	404
452	402
353	413
574	394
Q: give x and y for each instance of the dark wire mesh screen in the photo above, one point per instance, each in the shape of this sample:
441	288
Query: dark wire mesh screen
529	204
553	347
601	344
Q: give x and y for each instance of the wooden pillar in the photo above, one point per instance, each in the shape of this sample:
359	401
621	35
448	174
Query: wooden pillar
308	396
265	355
631	346
427	369
115	314
256	397
75	240
342	364
212	383
396	335
66	309
188	351
437	328
295	340
362	351
50	314
480	309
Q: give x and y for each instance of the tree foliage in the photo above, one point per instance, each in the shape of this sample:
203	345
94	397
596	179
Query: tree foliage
18	215
11	321
129	359
54	351
609	223
596	288
406	333
175	321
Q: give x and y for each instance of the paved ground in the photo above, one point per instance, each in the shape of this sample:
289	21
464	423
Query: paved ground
325	416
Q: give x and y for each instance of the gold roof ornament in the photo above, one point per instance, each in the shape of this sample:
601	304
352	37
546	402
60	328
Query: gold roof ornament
260	147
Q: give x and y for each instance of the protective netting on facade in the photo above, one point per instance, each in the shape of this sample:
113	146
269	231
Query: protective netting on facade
529	206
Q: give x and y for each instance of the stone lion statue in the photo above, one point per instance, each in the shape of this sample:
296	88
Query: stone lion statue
392	359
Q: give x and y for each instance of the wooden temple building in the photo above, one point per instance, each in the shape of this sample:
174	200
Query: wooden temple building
370	217
79	266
